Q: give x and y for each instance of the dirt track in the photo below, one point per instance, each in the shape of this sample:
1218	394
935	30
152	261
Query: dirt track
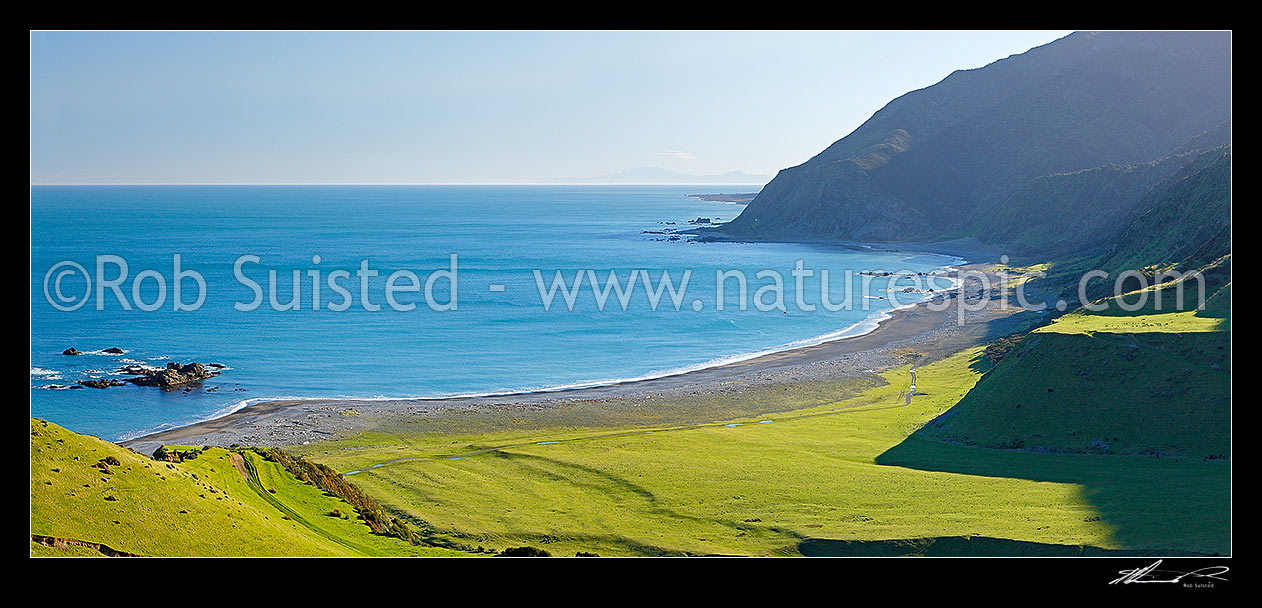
239	463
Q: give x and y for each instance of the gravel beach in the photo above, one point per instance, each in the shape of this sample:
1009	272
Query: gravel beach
917	333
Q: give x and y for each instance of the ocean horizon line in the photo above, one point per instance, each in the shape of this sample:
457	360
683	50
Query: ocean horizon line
384	184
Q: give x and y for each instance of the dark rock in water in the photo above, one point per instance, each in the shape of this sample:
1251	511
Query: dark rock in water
95	383
71	351
174	375
114	350
216	365
701	220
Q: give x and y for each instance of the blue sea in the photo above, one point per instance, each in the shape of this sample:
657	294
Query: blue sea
499	337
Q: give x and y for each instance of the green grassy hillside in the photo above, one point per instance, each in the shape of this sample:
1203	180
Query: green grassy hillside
1143	384
89	490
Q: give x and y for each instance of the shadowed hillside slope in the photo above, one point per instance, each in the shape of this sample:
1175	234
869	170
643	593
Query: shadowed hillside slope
1144	372
1151	384
1184	223
1071	213
1180	226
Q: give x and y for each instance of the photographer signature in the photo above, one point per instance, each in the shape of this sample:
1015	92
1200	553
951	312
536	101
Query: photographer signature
1151	574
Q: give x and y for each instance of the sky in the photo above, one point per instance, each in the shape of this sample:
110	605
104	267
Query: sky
465	107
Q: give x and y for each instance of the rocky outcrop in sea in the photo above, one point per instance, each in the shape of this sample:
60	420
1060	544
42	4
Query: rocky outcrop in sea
175	374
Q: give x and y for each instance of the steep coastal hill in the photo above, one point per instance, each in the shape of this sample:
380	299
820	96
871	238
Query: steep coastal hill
1103	151
1185	222
1071	213
1181	224
1153	380
1087	122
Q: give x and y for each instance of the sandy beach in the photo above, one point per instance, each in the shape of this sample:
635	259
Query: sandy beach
916	333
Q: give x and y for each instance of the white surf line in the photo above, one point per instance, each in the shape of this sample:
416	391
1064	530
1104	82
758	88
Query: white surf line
857	329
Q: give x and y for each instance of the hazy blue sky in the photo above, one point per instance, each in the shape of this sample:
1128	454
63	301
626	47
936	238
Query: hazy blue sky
465	107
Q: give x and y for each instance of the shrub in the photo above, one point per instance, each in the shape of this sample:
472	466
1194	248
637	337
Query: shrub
329	480
1000	347
524	552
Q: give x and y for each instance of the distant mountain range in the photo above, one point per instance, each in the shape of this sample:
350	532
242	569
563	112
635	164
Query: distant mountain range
658	175
1048	152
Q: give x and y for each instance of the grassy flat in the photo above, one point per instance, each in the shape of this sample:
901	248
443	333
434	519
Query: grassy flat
1173	322
1113	432
745	486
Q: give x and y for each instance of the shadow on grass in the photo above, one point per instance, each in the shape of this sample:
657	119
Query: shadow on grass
957	546
1001	335
1156	506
